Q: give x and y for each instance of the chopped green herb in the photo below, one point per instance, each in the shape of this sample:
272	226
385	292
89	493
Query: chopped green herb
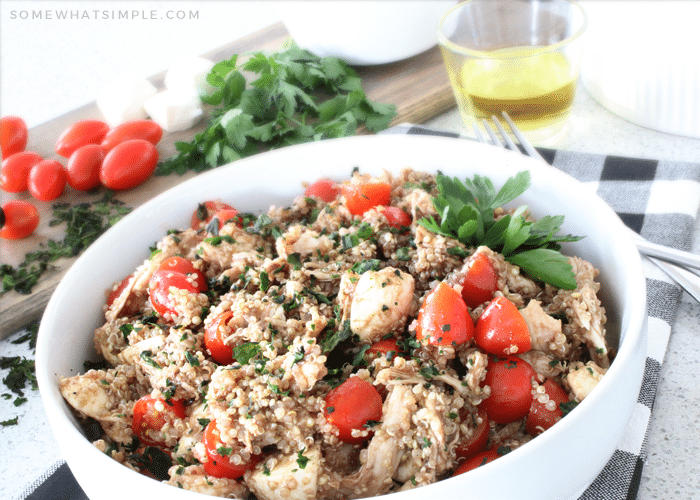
301	459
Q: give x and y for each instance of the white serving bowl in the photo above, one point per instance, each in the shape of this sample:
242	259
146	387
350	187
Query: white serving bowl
364	32
556	465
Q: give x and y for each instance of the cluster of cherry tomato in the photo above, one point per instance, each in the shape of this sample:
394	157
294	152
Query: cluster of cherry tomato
118	158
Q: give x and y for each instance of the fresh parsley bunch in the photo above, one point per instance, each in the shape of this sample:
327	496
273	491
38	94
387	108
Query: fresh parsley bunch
467	214
297	97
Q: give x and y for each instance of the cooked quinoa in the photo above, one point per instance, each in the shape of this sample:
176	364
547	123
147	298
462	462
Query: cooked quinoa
308	288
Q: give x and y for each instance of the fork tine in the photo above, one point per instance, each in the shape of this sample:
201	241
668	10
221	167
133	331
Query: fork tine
479	136
521	138
491	133
504	134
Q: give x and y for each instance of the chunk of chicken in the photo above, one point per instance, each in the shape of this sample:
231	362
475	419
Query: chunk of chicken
381	303
292	477
193	478
545	331
582	379
299	239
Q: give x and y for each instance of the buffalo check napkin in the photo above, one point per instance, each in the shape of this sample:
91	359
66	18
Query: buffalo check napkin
659	200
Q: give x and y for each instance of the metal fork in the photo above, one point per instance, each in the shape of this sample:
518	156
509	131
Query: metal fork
682	267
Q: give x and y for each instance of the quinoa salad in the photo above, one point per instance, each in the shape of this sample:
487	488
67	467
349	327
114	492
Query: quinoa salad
333	349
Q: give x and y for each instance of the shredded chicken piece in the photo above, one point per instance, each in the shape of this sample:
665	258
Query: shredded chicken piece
582	379
193	478
545	331
292	477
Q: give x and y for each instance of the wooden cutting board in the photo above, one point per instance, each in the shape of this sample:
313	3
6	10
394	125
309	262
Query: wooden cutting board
418	86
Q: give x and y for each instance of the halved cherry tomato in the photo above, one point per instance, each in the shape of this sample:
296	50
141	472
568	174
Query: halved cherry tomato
205	213
14	173
176	272
396	217
227	215
79	134
350	406
18	219
325	189
480	280
384	348
131	306
443	319
501	329
540	418
47	180
83	167
477	441
361	197
510	380
13	135
128	164
220	464
214	336
151	414
477	460
147	130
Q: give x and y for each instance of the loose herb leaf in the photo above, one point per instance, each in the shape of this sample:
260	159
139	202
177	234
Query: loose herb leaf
466	213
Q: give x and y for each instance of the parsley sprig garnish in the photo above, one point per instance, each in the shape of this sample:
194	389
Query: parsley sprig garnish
466	213
297	97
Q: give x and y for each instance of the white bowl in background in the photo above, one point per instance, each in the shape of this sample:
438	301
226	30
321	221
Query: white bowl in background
641	62
364	32
558	464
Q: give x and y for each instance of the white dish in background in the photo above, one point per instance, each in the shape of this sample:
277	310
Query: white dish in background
560	463
641	62
364	32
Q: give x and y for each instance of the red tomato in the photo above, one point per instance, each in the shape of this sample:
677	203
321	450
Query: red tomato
79	134
227	215
128	164
220	464
214	336
83	167
383	348
350	406
47	180
151	414
480	280
397	218
540	418
477	441
443	319
477	460
176	272
147	130
18	219
130	307
510	379
182	265
361	197
14	173
325	189
13	135
205	213
501	329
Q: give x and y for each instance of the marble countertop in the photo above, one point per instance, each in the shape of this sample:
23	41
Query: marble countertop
57	85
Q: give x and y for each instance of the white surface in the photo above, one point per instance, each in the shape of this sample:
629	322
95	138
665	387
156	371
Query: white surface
39	82
591	430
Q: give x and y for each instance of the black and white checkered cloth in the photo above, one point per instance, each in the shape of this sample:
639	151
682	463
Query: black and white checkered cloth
658	199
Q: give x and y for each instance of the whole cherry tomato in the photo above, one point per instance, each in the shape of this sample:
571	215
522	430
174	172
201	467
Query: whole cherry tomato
13	135
220	464
510	380
47	180
350	406
18	219
443	319
544	415
79	134
147	130
361	197
151	414
14	173
227	215
481	458
205	213
396	217
214	336
477	441
325	189
501	329
128	164
83	167
480	280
